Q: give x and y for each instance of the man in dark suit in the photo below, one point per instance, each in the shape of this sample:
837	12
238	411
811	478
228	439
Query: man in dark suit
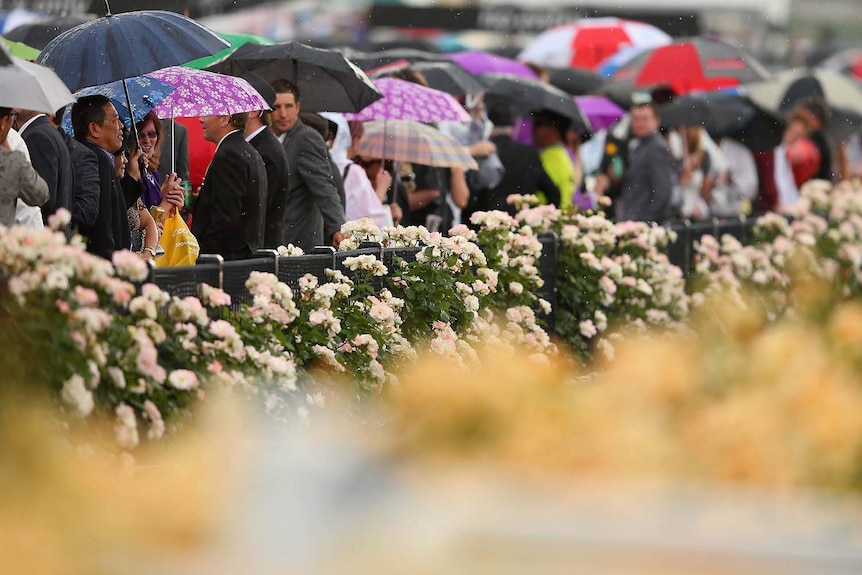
85	178
50	158
258	134
228	216
314	214
98	127
647	183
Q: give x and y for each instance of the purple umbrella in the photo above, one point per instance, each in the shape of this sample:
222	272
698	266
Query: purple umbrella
404	100
479	62
600	111
200	93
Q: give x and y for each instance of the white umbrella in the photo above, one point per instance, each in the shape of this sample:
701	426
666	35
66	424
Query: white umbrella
31	86
838	90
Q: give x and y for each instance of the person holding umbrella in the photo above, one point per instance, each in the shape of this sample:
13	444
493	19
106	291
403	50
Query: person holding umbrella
97	125
18	179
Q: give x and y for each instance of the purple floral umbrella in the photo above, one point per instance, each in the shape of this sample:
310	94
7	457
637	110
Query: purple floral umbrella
201	93
478	62
404	100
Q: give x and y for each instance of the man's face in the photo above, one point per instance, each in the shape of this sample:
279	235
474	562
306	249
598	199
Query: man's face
213	127
109	134
644	122
285	113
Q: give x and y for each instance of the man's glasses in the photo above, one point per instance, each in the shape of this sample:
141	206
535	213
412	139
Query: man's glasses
149	135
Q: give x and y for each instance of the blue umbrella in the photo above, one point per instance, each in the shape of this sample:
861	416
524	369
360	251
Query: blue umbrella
145	94
119	46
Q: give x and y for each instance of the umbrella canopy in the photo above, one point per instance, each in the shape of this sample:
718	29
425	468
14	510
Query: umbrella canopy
145	94
726	115
687	66
599	111
39	33
371	60
588	41
404	100
407	141
30	86
235	41
327	81
119	46
23	51
848	62
534	95
575	81
449	77
837	89
478	62
202	93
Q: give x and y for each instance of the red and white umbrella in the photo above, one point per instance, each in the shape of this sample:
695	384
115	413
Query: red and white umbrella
587	42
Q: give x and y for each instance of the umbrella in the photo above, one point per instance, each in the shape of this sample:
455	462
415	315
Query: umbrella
39	33
371	60
837	89
449	77
30	86
599	111
145	94
575	81
201	93
327	80
687	66
235	41
726	115
625	55
119	46
848	62
404	100
586	42
478	62
23	51
534	95
408	141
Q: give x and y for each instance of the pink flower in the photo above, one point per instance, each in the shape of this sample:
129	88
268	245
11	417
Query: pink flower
85	296
183	379
130	266
215	367
63	306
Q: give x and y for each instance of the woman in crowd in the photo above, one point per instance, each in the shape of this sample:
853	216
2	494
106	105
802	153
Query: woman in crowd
362	199
697	176
145	233
167	194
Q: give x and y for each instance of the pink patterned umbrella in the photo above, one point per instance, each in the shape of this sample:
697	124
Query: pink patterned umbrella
200	93
404	100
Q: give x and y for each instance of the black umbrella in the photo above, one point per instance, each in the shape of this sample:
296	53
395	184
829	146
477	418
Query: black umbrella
371	60
726	115
533	95
449	77
39	33
575	81
327	81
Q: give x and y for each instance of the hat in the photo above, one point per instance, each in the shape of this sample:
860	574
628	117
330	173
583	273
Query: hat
262	86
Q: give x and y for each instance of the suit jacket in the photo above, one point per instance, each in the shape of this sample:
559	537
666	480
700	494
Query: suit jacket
314	212
647	183
278	183
228	216
110	231
85	182
18	179
51	159
180	144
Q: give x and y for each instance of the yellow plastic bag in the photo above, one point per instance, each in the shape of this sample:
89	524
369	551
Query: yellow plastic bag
181	247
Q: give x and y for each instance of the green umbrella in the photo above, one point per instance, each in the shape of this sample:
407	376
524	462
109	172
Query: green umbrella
235	41
23	51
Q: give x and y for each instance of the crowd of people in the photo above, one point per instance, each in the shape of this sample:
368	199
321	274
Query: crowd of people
282	176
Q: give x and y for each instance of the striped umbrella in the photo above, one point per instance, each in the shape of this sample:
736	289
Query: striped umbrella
408	141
